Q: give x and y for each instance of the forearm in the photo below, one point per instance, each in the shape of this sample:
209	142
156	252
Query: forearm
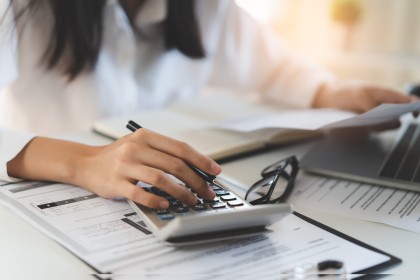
50	160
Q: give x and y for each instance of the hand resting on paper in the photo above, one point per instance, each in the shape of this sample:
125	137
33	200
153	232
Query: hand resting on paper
357	96
113	170
360	97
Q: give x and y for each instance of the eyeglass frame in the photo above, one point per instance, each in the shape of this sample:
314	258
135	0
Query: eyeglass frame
277	169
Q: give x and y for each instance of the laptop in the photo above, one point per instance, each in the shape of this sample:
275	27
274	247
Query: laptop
388	158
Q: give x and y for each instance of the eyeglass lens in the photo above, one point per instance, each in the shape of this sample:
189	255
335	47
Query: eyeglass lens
279	165
276	184
272	186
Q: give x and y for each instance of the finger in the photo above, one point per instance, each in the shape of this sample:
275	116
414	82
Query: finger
140	196
371	97
179	169
414	98
390	96
181	150
161	180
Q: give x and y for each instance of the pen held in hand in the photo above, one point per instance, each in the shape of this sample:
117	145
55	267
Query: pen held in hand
133	126
211	179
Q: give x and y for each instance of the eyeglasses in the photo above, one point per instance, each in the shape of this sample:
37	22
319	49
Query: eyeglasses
278	180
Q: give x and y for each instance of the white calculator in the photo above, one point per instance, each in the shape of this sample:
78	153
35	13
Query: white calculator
226	217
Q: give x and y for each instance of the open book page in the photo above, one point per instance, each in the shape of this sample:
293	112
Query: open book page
310	119
197	122
212	142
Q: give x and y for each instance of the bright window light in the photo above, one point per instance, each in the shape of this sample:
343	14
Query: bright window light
262	10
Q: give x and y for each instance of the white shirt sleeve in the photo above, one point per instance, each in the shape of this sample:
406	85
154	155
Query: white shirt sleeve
252	57
8	45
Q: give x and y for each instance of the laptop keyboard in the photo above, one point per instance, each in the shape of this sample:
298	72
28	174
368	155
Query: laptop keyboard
403	162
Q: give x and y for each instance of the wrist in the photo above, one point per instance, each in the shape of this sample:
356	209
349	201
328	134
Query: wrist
337	94
78	165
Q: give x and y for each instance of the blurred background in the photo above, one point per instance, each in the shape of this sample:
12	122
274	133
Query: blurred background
372	40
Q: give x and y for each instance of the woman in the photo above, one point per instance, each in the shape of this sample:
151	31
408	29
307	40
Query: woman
79	61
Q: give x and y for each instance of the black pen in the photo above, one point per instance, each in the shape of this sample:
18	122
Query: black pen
211	179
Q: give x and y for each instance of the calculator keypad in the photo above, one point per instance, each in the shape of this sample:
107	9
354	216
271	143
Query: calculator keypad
225	200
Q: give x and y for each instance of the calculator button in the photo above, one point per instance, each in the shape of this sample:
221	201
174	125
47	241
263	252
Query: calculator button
174	203
235	203
162	211
181	209
210	201
218	205
200	207
167	217
216	188
228	198
222	192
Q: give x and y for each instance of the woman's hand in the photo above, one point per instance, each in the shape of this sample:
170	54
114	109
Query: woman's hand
357	96
147	156
113	170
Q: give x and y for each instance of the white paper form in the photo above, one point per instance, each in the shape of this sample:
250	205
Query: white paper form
292	242
395	207
314	119
97	231
381	114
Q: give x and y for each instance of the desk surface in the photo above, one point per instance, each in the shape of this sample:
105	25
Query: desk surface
27	253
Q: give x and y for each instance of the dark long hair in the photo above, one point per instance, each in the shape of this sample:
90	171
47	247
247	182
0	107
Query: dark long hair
78	27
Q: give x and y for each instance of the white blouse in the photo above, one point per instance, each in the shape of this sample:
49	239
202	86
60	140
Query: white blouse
135	73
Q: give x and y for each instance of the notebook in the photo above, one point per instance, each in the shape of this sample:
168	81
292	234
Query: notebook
204	124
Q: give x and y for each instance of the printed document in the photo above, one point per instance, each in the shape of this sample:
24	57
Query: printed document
110	237
395	207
